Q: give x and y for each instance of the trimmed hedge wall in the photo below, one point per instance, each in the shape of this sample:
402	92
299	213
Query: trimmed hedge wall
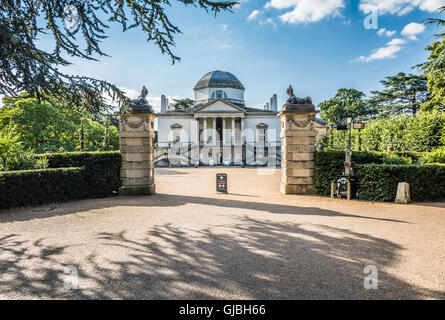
36	187
379	182
71	176
329	164
102	169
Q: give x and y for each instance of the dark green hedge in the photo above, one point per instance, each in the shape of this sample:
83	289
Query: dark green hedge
70	176
379	182
35	187
329	164
102	169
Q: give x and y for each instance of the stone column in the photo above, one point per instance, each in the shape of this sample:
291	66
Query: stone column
224	132
214	133
196	142
233	131
297	147
136	134
242	129
205	131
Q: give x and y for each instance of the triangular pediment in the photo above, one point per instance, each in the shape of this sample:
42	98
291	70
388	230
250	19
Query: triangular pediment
219	106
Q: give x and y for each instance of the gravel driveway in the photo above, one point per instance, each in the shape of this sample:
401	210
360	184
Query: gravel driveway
188	242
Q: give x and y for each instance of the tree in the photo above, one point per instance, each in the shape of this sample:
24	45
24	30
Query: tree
435	73
434	69
107	134
346	103
39	125
24	67
402	93
438	22
181	104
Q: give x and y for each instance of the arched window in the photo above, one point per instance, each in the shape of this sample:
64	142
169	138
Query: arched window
219	94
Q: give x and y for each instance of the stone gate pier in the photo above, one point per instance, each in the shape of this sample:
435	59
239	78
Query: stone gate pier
298	138
136	135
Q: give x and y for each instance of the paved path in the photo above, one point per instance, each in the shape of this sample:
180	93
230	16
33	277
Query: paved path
188	242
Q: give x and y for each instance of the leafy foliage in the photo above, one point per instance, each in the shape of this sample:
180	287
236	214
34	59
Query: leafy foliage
436	156
39	125
423	132
435	73
329	164
71	176
182	104
380	182
36	187
346	103
102	169
12	154
402	93
27	68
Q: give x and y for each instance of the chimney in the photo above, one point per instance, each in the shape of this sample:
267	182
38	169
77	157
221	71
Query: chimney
275	103
163	104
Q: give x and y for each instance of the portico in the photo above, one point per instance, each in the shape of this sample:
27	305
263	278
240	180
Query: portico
219	132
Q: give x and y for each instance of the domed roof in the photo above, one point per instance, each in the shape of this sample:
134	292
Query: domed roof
219	79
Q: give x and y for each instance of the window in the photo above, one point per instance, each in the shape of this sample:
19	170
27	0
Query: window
177	135
219	94
262	133
176	129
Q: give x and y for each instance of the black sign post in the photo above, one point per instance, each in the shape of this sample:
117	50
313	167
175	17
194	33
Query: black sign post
221	182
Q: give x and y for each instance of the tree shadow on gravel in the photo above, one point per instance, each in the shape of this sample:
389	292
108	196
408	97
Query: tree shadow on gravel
168	200
248	258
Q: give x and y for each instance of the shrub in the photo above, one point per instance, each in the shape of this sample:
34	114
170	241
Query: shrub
71	176
102	174
437	156
329	164
420	133
12	155
36	187
380	182
396	159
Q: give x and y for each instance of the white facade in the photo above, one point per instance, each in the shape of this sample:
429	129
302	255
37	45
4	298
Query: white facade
219	129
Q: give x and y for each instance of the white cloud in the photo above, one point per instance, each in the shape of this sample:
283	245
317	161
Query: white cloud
268	21
399	7
387	52
412	30
305	11
385	32
253	15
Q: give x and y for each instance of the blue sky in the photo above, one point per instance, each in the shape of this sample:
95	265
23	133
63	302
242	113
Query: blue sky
318	46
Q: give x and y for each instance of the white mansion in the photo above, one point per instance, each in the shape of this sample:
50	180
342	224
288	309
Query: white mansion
219	128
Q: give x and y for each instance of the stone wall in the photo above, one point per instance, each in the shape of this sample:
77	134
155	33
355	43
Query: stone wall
298	138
